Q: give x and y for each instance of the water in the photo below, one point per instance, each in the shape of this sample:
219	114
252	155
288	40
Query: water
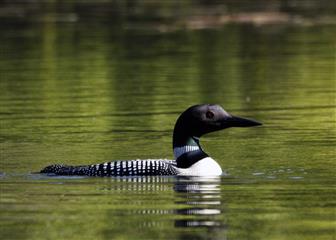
88	92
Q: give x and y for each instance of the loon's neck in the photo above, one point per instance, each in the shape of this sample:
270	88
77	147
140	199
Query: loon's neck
185	144
187	150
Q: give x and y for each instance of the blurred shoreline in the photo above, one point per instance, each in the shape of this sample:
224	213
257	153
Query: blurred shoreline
166	16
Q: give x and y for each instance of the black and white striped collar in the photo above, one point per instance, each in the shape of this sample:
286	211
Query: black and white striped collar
179	151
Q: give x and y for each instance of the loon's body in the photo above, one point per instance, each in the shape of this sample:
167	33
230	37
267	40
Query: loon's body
190	159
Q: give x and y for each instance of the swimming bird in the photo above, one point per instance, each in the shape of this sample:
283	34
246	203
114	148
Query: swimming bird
190	159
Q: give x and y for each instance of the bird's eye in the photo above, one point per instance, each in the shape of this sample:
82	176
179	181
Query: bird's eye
209	114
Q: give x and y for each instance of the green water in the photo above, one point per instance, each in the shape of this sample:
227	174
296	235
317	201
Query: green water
89	92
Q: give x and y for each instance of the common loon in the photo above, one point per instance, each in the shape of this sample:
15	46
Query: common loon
191	160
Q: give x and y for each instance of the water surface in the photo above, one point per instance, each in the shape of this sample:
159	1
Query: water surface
89	92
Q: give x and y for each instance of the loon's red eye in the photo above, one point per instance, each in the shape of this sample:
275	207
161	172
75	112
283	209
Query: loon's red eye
209	114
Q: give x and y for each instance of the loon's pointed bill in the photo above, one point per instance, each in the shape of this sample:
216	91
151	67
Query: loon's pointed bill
235	121
190	159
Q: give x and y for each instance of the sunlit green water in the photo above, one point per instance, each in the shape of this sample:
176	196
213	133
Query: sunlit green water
80	93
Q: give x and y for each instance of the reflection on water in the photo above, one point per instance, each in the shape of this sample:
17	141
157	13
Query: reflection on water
202	196
196	197
138	184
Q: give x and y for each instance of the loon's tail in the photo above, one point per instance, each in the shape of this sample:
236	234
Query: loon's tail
60	169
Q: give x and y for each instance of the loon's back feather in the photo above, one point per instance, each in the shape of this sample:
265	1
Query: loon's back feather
117	168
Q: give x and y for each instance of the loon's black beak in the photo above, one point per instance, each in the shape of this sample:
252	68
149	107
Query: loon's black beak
234	121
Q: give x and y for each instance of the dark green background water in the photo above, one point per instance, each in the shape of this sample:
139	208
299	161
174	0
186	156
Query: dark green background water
82	92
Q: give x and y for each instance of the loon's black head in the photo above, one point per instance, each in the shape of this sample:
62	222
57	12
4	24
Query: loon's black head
197	121
201	119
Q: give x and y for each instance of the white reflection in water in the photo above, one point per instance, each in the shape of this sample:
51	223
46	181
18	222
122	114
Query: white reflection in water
203	197
138	184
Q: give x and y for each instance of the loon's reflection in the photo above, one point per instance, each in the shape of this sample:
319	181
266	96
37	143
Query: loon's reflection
203	197
195	202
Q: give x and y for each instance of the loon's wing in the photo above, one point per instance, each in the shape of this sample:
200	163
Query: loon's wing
149	167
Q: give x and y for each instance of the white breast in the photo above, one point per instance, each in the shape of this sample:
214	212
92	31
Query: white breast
205	167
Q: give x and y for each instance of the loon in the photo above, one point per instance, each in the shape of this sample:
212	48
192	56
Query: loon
190	159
